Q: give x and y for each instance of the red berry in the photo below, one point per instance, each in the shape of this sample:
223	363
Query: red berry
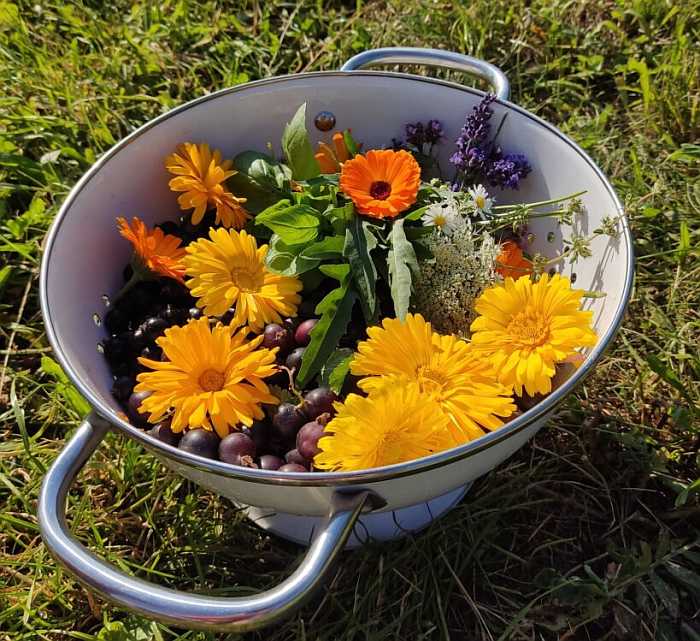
292	467
303	334
237	448
307	439
319	401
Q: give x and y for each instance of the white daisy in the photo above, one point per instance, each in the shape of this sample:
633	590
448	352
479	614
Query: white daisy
443	217
480	200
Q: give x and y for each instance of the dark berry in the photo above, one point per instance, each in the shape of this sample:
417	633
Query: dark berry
235	447
293	361
277	336
303	334
279	378
122	388
260	433
228	315
194	312
132	409
307	439
139	339
174	315
293	456
270	462
172	291
154	352
319	401
117	349
287	420
201	442
154	327
162	432
116	320
292	467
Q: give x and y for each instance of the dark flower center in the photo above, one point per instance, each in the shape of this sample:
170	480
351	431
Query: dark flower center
380	190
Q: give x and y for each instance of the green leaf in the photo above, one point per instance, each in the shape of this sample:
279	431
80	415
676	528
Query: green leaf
297	147
340	217
288	260
338	271
684	240
335	310
5	274
667	374
328	248
359	242
666	593
295	224
416	214
263	169
335	369
403	264
350	143
63	385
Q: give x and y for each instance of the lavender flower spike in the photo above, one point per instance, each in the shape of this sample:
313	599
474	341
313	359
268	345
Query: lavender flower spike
508	171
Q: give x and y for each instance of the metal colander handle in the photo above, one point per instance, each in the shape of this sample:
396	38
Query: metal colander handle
433	58
168	606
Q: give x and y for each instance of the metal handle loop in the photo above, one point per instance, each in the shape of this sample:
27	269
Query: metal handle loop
170	606
433	58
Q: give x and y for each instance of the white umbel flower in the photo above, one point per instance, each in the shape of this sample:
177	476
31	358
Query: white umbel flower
480	200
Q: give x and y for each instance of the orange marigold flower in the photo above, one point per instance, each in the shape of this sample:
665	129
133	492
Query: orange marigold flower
383	183
330	158
160	253
200	175
511	261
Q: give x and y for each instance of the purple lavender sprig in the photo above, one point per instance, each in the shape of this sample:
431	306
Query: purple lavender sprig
478	158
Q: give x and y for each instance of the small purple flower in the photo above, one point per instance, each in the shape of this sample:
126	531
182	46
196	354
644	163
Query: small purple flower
507	171
433	132
415	134
473	159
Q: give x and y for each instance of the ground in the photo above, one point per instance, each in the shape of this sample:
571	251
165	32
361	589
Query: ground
589	532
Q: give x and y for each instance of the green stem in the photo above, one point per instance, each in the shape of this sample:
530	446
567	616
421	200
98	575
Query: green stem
541	203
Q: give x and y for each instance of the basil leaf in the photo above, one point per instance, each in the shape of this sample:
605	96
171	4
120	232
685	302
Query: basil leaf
297	147
402	264
329	247
337	271
335	310
295	224
288	260
359	242
263	169
340	217
416	214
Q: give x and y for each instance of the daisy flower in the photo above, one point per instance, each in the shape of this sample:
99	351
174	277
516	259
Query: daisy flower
381	183
480	200
443	218
463	384
525	328
229	269
158	252
208	378
201	175
390	425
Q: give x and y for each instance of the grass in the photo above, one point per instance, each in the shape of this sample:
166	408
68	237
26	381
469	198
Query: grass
589	532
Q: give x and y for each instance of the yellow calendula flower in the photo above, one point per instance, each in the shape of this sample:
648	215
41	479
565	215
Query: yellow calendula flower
208	378
230	270
201	174
390	425
464	385
524	328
